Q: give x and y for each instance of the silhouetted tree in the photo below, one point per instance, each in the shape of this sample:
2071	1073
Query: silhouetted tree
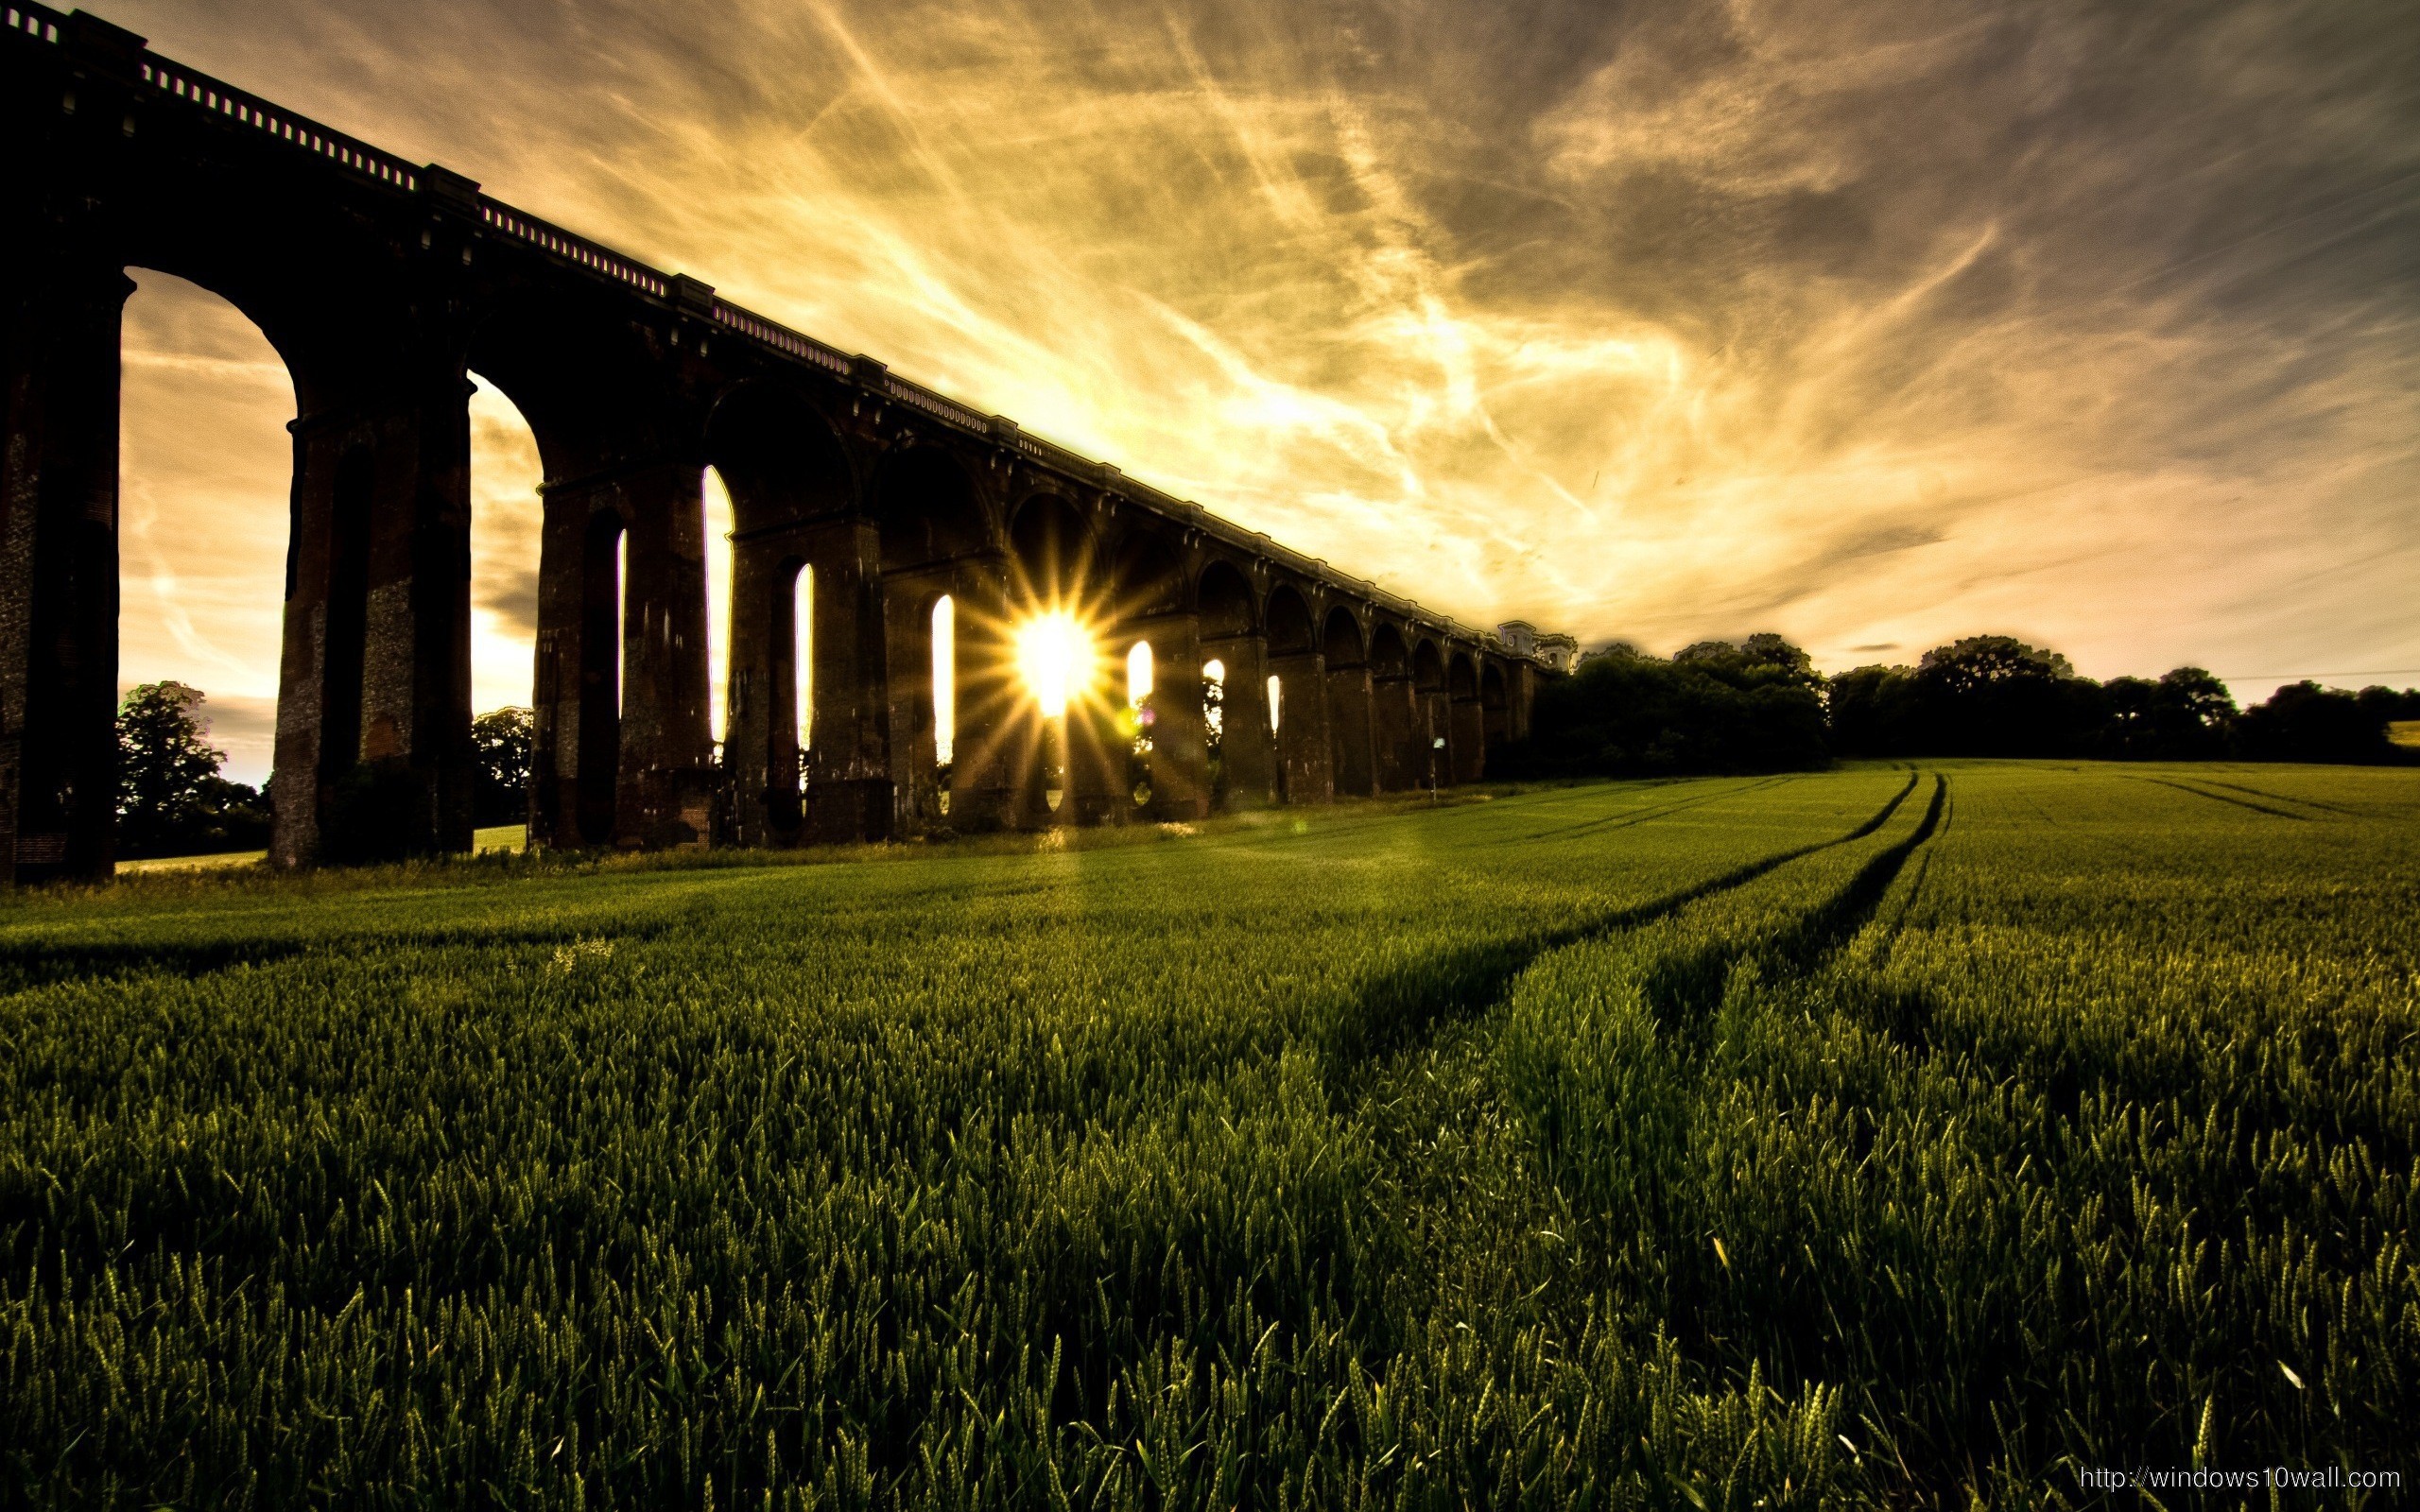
1984	695
1876	711
2304	722
2188	715
1715	707
1996	695
500	740
171	799
2389	707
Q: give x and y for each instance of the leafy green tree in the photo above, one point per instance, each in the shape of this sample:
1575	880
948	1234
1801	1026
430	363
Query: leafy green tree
501	741
171	799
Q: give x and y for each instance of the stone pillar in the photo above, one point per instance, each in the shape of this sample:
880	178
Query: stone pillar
1349	711
663	769
997	734
623	749
1098	760
373	709
1180	756
1436	723
59	588
1306	753
576	727
848	759
908	598
1467	742
1521	696
760	757
1247	752
1394	731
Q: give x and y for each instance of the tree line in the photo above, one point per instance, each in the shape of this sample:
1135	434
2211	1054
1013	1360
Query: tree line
1759	705
173	802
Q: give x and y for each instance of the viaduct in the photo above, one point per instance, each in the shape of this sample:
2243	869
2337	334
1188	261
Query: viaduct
382	284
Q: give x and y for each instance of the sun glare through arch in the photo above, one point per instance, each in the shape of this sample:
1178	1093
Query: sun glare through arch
1054	656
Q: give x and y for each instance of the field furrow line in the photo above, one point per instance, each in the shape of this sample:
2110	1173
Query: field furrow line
1396	1010
2222	798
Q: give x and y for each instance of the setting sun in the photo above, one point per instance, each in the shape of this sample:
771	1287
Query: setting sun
1054	656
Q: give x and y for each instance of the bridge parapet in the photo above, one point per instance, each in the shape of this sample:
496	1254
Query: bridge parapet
572	248
95	39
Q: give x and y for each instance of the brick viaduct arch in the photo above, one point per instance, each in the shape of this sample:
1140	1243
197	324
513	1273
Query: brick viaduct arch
382	284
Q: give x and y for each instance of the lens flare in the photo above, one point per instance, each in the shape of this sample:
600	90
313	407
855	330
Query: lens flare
1054	655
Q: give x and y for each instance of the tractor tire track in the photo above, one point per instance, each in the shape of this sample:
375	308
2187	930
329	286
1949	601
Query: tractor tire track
1624	820
1399	1008
2222	798
1686	990
2282	797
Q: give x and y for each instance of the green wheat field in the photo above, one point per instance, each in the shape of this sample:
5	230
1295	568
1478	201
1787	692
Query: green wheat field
1882	1136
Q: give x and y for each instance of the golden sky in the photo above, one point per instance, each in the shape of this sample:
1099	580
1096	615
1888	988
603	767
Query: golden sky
1873	324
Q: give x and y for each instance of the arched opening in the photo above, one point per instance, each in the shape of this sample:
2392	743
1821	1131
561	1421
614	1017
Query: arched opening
1467	720
1225	602
720	524
1214	725
1057	616
1433	728
778	457
1138	674
945	632
1148	581
1136	720
550	625
1214	686
927	517
790	730
1051	549
944	629
1237	733
1387	656
793	496
507	522
1495	720
803	658
1394	732
1289	624
1352	753
1297	700
201	555
621	620
925	510
1341	640
1461	680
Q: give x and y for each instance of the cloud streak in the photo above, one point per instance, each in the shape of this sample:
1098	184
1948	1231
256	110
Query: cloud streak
2096	322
